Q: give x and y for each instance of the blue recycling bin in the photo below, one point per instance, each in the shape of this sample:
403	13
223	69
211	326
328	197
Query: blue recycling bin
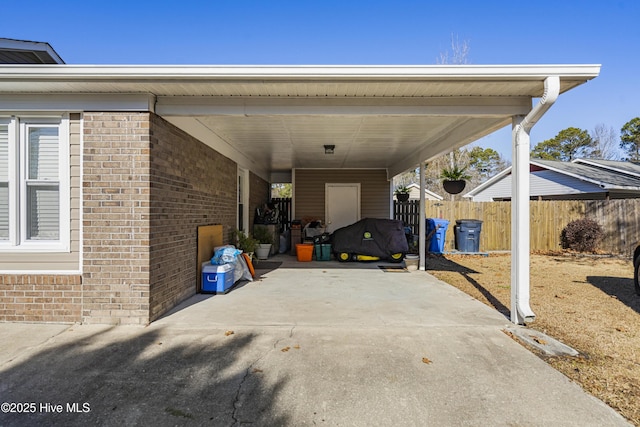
436	244
467	235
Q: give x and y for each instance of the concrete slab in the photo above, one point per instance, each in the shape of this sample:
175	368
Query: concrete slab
323	345
20	338
543	343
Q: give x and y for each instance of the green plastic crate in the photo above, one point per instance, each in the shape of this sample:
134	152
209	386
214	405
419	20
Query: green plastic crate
322	252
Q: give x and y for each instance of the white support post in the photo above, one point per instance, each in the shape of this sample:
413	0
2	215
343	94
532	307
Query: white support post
422	222
520	232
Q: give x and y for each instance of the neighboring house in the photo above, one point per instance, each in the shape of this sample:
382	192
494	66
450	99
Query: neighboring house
27	52
414	193
581	179
107	171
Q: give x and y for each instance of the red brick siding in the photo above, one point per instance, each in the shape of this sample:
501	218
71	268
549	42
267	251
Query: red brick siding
40	298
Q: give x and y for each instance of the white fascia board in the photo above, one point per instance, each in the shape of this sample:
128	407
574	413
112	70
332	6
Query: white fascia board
201	132
251	106
413	72
77	102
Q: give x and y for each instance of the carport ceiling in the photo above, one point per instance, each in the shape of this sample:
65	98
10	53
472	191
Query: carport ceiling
275	118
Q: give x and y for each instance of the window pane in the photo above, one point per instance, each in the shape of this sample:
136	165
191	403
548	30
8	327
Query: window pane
43	153
43	216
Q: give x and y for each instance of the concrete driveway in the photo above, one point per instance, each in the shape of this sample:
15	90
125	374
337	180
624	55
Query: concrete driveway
327	344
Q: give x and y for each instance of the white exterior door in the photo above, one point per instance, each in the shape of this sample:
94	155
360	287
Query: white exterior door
342	205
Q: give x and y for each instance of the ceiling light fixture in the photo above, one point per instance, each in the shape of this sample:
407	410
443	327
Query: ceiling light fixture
328	149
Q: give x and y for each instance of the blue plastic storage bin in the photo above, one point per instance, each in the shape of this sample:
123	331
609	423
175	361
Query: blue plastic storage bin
436	244
217	278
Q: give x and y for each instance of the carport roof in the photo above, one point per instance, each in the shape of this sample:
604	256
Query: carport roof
275	118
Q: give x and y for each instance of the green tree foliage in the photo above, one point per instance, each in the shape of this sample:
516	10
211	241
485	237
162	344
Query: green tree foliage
570	143
630	139
485	163
281	190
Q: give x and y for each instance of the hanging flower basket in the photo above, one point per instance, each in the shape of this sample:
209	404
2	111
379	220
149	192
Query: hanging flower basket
402	193
402	197
454	179
454	186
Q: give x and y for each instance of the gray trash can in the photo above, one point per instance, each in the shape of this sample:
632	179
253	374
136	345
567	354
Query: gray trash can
467	235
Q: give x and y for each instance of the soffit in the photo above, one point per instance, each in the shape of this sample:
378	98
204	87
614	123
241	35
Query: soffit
275	118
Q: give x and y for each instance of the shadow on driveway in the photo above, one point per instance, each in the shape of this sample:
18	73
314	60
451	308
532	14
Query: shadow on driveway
440	263
619	287
128	376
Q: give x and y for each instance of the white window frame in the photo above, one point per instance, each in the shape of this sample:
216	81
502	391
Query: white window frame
18	169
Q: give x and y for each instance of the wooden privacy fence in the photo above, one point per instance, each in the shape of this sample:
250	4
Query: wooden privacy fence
283	204
620	220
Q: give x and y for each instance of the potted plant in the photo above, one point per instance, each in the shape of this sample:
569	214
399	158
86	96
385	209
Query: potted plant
402	193
245	243
265	240
454	179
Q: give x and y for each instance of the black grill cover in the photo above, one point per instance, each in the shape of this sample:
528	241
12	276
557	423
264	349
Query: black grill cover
371	236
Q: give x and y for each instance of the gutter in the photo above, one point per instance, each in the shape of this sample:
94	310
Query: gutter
551	92
520	229
577	73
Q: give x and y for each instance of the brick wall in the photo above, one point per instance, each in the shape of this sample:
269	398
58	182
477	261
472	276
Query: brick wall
147	187
191	185
116	218
40	298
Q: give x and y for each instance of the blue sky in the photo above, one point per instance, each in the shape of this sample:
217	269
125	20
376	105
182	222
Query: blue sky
359	33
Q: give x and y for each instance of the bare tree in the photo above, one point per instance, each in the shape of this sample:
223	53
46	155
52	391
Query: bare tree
459	53
606	139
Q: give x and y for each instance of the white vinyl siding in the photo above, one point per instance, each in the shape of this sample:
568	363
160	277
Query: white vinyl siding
543	183
34	184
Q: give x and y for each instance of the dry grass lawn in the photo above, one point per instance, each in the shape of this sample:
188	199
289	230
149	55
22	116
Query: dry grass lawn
589	303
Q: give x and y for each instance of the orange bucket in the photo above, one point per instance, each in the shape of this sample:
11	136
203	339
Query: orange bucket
304	251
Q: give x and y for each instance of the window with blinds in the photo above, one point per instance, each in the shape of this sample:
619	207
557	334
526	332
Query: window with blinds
42	184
